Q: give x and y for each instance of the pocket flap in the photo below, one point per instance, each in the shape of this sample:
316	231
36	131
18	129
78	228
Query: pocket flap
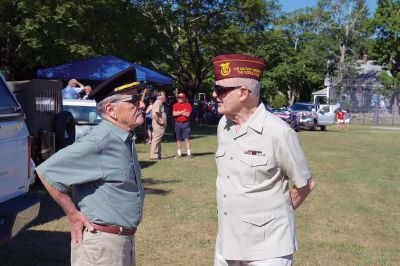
220	151
259	219
254	160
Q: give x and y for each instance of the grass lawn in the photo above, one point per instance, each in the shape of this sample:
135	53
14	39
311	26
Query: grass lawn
352	218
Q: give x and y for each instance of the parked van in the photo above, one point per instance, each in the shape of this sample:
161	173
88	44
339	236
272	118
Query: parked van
17	208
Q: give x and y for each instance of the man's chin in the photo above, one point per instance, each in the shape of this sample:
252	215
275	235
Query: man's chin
138	123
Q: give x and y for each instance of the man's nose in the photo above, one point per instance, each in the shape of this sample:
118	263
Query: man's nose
214	94
141	105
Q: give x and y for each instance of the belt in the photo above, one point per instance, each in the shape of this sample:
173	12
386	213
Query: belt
114	230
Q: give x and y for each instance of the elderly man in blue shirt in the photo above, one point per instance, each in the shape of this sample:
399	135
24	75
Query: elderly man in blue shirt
101	171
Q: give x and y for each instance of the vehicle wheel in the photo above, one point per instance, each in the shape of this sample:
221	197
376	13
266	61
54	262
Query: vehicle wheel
314	126
323	128
64	128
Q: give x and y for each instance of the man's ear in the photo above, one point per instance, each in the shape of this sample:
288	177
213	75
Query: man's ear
110	110
244	93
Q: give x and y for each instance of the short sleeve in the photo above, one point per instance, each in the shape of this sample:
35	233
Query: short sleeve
156	107
291	158
76	164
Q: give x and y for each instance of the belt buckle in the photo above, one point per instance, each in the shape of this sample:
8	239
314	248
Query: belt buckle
120	230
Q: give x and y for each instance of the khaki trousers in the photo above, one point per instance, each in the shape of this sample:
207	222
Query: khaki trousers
158	133
102	248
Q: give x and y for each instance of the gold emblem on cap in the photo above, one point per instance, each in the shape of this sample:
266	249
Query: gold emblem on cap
225	69
120	88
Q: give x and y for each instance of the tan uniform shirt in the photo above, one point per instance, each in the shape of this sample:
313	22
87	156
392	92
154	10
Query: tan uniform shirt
158	107
255	214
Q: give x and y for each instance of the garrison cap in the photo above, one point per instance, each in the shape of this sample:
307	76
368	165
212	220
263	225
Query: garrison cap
119	83
238	66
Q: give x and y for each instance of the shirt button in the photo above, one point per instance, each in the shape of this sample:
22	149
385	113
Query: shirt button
231	158
225	213
224	195
227	176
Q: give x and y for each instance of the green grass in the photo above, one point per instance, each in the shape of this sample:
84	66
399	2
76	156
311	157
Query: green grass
352	218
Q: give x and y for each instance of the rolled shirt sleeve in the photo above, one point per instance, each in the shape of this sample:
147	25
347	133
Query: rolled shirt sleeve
291	158
72	165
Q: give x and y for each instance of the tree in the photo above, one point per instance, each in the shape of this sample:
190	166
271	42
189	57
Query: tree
296	54
345	22
43	33
385	48
196	31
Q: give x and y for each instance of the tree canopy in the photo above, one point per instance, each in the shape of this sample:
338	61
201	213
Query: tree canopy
181	37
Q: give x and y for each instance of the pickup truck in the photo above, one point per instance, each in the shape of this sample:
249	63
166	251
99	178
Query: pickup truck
310	116
17	207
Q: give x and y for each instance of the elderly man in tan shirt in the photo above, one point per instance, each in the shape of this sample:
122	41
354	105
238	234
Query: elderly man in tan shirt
257	155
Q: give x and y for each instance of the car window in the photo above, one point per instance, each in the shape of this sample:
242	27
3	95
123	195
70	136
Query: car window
325	109
300	107
7	102
83	114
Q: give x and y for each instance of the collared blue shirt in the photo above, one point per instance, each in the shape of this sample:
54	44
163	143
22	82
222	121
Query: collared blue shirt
70	92
102	170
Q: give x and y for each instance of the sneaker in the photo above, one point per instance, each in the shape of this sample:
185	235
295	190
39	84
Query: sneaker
178	156
189	156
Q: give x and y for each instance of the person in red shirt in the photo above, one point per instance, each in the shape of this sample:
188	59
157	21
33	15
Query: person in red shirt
181	112
340	119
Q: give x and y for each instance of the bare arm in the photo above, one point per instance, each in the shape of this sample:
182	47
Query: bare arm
80	84
143	95
178	113
76	219
298	195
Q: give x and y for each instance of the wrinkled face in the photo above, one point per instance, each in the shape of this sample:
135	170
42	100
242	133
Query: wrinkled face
180	100
128	110
228	102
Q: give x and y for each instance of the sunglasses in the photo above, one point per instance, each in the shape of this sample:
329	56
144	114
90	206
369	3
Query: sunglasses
134	99
219	90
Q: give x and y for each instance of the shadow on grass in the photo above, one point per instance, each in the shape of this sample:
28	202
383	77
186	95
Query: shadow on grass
157	191
198	154
37	248
145	164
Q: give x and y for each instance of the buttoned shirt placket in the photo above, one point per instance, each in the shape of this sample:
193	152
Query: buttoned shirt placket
135	162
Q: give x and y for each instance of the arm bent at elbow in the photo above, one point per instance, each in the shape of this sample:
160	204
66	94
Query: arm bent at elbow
76	219
298	195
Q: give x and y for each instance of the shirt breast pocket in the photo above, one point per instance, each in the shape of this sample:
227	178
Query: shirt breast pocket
123	178
257	169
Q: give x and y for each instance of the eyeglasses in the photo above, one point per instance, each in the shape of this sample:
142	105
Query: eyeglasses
219	90
134	99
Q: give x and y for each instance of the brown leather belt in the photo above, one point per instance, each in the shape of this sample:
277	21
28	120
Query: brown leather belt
114	230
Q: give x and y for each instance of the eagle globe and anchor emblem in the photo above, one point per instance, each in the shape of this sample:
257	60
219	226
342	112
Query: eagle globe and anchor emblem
225	69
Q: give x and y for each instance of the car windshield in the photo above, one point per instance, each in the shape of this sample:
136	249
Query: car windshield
83	114
7	102
302	107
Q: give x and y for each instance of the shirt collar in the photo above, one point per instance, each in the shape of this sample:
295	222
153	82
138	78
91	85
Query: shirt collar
122	134
256	121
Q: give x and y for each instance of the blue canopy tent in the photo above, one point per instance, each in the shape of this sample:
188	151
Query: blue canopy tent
100	68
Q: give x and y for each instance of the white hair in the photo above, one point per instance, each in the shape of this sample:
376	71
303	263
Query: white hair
252	84
101	106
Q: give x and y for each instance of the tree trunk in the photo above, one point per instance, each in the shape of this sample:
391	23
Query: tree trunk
342	63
